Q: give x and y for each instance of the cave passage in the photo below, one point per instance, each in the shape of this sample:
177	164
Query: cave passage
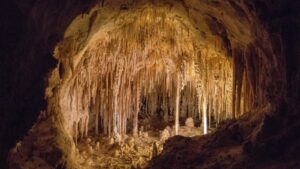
146	71
129	76
158	63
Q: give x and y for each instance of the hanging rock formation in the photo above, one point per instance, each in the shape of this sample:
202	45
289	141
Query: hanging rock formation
99	67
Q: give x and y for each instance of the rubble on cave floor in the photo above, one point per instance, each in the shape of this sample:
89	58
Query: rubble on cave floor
131	152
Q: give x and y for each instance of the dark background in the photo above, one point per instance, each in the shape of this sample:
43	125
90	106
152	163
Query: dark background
30	29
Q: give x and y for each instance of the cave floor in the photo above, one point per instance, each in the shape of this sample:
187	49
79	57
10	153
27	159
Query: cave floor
97	152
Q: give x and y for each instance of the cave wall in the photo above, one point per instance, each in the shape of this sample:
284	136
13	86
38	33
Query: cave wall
30	30
101	55
266	137
244	39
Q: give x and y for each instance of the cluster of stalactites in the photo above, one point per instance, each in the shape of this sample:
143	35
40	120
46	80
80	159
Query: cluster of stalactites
228	89
137	60
121	67
214	80
251	66
114	98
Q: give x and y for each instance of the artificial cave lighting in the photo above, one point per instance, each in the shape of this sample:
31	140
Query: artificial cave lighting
132	76
154	58
147	67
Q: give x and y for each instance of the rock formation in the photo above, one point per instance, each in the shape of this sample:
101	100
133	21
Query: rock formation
101	68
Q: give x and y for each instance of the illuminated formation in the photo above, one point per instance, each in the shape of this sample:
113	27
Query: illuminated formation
130	76
151	56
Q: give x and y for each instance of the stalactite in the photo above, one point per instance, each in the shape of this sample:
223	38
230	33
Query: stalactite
240	72
205	87
76	132
249	62
109	105
97	113
177	104
234	86
209	113
204	115
81	122
224	112
243	107
248	91
135	122
86	125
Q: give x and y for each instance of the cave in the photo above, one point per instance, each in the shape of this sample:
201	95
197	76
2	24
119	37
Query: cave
160	84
